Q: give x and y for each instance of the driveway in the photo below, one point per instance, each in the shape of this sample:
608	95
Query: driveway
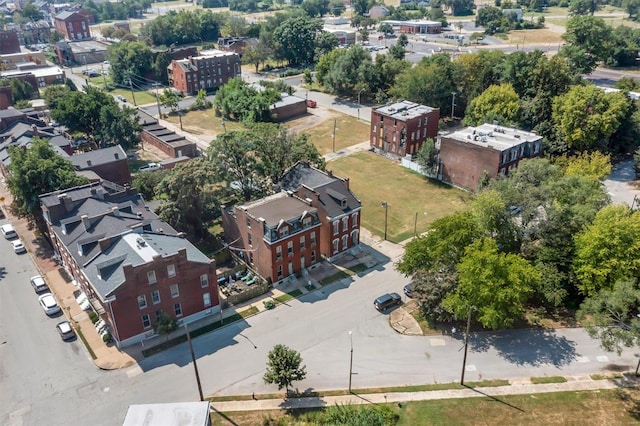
619	184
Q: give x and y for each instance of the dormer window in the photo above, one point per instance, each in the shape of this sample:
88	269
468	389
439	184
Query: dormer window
283	231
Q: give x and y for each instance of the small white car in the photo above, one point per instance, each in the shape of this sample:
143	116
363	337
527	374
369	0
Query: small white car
65	330
18	247
149	167
38	283
49	304
8	231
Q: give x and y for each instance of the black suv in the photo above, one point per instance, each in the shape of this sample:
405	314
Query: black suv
386	301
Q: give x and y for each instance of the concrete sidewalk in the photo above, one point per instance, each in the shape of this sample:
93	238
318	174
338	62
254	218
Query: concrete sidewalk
520	387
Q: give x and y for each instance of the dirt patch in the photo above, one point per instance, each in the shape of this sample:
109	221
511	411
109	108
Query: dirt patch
313	117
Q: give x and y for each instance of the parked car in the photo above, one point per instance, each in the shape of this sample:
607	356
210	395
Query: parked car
18	247
49	304
8	231
149	167
408	290
311	103
121	98
38	283
65	330
386	301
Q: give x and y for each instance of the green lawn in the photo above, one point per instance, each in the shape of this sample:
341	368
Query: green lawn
348	131
603	407
374	179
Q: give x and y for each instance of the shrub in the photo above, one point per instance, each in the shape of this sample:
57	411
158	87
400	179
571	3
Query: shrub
269	304
106	337
65	275
93	317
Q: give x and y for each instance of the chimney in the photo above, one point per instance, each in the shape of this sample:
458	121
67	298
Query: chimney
330	173
116	211
65	201
346	182
85	222
88	163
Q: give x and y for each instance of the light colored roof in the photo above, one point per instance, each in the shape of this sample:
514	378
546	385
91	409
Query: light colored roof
38	72
170	414
493	136
404	110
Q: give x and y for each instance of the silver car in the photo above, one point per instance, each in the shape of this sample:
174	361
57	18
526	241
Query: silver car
49	304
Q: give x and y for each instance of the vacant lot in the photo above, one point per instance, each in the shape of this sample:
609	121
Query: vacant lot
524	37
604	407
348	130
375	179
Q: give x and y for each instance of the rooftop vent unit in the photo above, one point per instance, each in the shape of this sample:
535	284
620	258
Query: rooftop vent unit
141	242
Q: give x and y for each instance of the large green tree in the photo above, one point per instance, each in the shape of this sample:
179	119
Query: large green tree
349	72
129	60
608	250
496	285
284	366
295	39
37	170
497	103
586	117
189	197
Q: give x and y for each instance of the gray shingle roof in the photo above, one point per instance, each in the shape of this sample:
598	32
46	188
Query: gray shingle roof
99	156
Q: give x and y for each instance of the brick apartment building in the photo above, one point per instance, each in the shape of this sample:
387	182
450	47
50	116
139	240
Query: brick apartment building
72	25
338	208
468	154
132	266
277	235
400	128
209	70
9	42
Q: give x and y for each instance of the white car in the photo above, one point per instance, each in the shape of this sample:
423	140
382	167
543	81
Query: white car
49	304
18	247
65	330
149	167
38	283
8	231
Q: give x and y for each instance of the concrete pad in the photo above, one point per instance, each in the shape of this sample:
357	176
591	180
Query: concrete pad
437	341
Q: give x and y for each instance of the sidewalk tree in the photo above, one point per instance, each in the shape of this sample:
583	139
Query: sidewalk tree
169	99
166	325
610	316
284	366
37	170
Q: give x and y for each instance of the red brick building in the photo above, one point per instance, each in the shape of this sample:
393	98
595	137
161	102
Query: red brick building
72	25
338	208
167	141
277	236
467	155
9	42
400	128
208	71
132	266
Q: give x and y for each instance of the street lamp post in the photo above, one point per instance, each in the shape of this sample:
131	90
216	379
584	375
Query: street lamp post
359	103
350	360
193	358
466	345
386	208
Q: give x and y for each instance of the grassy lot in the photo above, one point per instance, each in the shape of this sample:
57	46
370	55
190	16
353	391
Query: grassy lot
349	131
375	179
524	37
142	96
604	407
202	122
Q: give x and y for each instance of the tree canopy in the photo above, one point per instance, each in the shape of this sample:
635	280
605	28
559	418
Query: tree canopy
284	366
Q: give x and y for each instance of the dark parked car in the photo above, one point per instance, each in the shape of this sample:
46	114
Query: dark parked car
386	301
65	330
408	290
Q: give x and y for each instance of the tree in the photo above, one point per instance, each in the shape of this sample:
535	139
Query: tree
295	39
495	284
426	157
235	162
258	53
586	117
608	250
430	287
129	59
37	170
442	246
349	70
146	183
190	203
166	325
610	316
594	165
591	34
240	101
497	103
284	366
54	93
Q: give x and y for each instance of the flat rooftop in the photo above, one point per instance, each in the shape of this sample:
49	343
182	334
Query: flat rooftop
404	110
277	207
494	136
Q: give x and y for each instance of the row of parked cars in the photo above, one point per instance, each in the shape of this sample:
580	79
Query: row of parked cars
46	299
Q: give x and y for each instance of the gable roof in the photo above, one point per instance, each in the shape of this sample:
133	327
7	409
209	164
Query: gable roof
98	156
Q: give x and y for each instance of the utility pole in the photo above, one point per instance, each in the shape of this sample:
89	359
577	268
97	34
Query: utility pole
131	88
193	358
350	360
453	104
335	123
158	103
